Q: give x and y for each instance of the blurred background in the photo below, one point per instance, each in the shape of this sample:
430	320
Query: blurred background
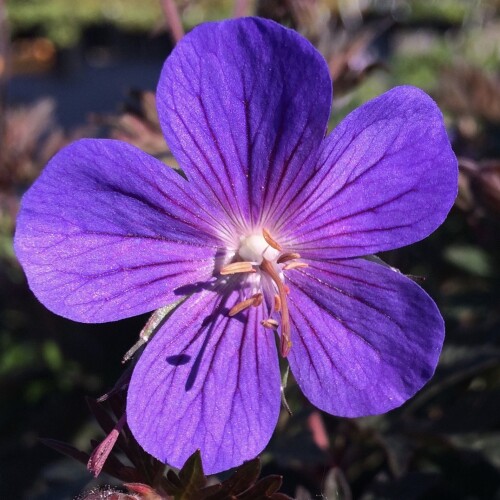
89	69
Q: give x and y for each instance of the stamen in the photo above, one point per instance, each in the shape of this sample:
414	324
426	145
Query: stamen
294	265
254	300
258	298
285	257
238	267
277	303
286	343
270	323
270	241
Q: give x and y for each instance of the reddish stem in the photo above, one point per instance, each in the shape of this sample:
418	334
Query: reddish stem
240	8
173	19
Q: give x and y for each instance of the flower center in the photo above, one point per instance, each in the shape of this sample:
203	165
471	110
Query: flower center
255	249
261	254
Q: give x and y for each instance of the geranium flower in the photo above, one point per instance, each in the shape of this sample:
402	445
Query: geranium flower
267	234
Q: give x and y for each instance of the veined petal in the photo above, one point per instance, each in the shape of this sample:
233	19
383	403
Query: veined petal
244	106
387	177
364	337
207	381
108	232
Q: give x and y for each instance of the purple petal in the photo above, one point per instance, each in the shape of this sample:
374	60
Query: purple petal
364	337
244	106
208	382
108	232
387	178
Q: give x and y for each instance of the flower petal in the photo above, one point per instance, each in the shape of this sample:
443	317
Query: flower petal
206	381
387	178
364	337
244	105
108	232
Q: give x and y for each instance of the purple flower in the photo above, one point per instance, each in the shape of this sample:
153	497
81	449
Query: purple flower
268	233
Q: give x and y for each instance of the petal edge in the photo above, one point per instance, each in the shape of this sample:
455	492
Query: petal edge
365	338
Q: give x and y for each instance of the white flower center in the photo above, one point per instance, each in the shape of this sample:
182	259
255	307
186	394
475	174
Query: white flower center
255	248
263	261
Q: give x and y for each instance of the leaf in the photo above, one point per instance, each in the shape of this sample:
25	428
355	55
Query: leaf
468	90
239	482
336	485
243	478
191	474
470	259
189	481
113	466
263	489
66	449
106	423
173	482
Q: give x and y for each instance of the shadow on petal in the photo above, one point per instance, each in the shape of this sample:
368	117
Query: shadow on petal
178	359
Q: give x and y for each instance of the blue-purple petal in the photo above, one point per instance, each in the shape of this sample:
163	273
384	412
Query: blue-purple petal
108	232
206	381
387	177
244	106
364	337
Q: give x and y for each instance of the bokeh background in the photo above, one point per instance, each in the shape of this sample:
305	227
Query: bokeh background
89	69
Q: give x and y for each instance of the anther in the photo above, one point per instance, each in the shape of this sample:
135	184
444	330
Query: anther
257	299
277	303
270	323
270	241
294	265
285	257
254	300
238	267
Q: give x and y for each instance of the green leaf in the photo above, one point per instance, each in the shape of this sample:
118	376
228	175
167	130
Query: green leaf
186	485
265	488
243	479
470	259
191	475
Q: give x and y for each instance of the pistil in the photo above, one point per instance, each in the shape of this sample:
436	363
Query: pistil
286	343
